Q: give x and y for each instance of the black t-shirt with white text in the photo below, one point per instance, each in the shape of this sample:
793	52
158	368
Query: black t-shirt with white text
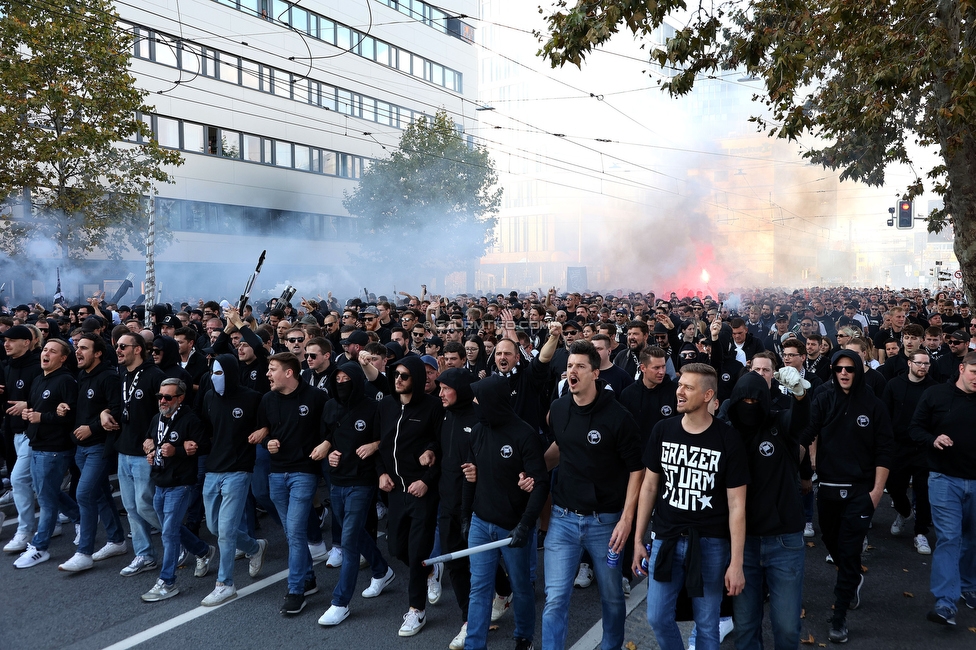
696	470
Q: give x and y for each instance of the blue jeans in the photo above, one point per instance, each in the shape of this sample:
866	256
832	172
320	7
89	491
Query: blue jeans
136	488
292	494
662	596
95	500
351	504
570	533
224	496
483	566
953	503
20	481
171	504
780	560
47	470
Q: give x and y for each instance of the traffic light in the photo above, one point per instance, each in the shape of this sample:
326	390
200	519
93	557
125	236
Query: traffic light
906	219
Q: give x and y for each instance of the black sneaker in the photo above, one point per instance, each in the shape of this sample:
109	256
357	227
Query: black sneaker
294	603
838	634
969	597
541	541
523	644
311	586
942	616
856	602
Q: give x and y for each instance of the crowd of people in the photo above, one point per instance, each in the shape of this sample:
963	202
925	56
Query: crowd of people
688	439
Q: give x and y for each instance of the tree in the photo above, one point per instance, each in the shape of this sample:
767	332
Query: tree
867	78
68	105
430	204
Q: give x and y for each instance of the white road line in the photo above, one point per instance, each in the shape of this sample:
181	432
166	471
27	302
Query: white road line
594	635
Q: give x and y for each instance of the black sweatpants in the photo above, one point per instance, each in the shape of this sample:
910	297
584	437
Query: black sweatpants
410	533
449	525
911	465
845	515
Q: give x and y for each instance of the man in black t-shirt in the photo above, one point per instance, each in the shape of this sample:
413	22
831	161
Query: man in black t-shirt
695	483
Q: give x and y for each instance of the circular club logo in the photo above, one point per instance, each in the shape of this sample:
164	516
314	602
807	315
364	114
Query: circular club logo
20	383
45	394
665	410
766	448
303	410
379	396
173	436
238	413
594	437
91	393
774	431
726	376
360	425
254	375
863	421
507	451
139	393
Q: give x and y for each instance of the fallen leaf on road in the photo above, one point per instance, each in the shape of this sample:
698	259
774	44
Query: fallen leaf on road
905	570
803	613
630	645
811	545
908	594
808	641
972	629
864	569
492	628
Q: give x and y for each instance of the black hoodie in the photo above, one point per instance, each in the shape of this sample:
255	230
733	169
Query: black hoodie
853	429
459	420
19	374
53	432
650	406
98	389
178	469
139	405
232	417
349	425
599	446
771	441
295	421
502	447
945	409
169	362
408	430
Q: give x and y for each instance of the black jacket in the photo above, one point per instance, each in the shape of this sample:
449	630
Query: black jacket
459	421
139	406
408	430
231	418
502	447
53	432
98	389
853	429
349	426
295	421
178	469
944	409
771	442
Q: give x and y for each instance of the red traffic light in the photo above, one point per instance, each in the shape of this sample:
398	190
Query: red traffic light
905	205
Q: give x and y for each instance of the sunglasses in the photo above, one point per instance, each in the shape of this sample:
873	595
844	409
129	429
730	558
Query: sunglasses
42	329
402	375
296	339
839	370
165	398
369	320
311	356
329	324
157	351
125	346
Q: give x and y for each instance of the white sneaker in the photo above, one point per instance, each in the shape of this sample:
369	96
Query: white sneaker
77	534
725	627
434	585
922	545
239	554
31	557
221	594
335	557
626	584
457	643
256	561
7	499
160	591
78	562
808	530
864	544
413	621
318	551
377	585
203	563
56	532
585	576
898	525
18	544
139	564
63	519
363	562
111	549
334	615
499	606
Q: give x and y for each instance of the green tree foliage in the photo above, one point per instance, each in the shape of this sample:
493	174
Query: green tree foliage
67	104
431	203
868	78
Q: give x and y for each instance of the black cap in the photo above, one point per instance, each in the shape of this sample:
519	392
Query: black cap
171	321
358	337
960	335
434	340
21	332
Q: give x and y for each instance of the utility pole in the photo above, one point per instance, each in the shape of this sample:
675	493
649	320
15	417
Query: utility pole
151	252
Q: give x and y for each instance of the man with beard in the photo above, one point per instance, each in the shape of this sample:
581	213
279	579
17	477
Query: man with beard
410	422
653	397
629	359
231	411
527	377
98	392
50	439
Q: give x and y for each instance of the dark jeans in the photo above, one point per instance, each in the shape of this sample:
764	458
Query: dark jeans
459	571
911	465
845	515
410	533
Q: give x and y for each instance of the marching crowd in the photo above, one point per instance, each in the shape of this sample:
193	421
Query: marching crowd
685	439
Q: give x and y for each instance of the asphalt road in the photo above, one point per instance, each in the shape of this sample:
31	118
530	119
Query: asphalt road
43	608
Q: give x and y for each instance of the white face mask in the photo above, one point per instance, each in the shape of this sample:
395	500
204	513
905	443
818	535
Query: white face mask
217	378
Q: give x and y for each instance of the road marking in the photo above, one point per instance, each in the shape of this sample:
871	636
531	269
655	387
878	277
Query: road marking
591	640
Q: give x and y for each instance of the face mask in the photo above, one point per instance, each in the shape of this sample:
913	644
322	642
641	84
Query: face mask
750	415
218	379
344	391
